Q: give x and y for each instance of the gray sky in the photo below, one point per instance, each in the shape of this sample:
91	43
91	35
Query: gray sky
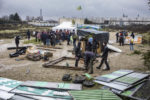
68	8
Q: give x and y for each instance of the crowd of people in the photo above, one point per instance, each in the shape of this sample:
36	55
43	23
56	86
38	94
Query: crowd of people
121	36
57	37
54	37
91	45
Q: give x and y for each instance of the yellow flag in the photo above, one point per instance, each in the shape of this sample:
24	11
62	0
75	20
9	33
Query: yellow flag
79	8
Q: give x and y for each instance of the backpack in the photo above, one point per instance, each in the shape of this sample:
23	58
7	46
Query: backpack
132	41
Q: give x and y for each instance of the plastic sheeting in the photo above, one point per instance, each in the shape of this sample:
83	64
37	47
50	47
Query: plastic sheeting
101	36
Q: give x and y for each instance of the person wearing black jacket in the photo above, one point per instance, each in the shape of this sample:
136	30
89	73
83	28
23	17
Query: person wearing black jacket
78	53
95	45
104	57
117	37
132	35
28	34
17	39
36	38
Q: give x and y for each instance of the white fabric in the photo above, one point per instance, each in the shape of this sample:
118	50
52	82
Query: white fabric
64	25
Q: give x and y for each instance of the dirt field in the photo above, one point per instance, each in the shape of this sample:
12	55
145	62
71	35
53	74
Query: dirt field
29	70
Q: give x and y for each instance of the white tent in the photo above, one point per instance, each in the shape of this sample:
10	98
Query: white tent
64	26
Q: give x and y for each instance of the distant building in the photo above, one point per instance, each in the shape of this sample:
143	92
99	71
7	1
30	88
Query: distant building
73	20
31	18
50	23
41	16
120	21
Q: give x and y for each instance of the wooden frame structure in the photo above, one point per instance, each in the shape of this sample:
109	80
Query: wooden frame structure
52	64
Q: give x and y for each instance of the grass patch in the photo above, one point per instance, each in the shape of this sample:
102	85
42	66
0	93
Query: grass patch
8	31
33	41
146	38
146	57
137	52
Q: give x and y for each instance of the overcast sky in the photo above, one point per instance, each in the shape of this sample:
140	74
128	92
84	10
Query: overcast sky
68	8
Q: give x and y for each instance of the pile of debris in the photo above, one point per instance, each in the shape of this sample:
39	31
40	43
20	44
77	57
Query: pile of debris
31	53
19	52
35	90
86	80
127	84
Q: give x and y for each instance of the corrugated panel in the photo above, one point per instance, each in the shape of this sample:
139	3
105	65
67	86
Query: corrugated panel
143	92
41	92
94	95
5	95
53	85
18	97
8	84
113	76
132	78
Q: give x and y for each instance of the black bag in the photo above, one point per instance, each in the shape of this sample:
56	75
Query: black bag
67	77
11	55
79	79
88	83
45	58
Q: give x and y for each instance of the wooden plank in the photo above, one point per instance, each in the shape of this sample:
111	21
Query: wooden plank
49	64
48	49
65	67
11	48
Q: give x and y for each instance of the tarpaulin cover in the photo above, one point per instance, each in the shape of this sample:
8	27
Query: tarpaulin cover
101	36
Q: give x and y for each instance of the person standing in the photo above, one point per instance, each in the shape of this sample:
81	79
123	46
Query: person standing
78	53
39	36
17	39
68	37
74	39
95	45
121	39
53	38
48	39
36	38
132	35
104	57
28	34
117	37
131	44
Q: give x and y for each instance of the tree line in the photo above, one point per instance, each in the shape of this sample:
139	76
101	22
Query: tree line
10	19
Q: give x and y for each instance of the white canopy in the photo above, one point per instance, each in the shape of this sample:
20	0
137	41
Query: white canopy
64	26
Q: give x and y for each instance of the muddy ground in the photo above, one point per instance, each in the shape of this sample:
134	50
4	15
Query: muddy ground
24	69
